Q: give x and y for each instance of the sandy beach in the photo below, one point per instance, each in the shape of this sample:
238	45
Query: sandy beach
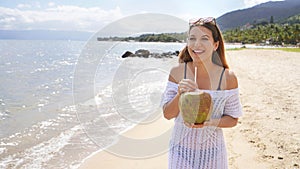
267	135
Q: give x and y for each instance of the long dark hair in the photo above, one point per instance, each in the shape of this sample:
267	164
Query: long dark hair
218	57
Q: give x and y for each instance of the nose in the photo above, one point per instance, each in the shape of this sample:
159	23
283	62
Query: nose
197	43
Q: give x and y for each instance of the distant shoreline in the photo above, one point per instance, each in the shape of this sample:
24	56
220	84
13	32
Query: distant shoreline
228	46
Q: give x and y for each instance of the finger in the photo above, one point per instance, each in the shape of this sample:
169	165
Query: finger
206	123
183	83
187	86
197	125
181	90
189	83
188	124
183	87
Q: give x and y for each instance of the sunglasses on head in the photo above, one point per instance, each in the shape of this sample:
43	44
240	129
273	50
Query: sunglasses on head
202	21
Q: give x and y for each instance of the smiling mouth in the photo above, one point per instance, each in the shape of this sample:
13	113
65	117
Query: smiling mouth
198	51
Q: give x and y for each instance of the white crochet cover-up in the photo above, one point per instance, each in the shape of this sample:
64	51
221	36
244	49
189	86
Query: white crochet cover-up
201	148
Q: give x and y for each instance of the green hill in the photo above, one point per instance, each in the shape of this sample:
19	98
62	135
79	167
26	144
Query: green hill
260	13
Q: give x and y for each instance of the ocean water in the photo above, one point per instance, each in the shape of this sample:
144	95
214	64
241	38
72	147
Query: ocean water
59	100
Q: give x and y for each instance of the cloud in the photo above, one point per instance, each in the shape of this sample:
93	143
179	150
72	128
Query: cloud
51	4
63	17
22	6
250	3
144	23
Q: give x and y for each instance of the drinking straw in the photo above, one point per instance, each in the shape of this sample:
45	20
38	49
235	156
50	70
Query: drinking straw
195	78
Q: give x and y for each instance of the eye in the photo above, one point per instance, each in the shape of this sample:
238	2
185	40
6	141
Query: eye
192	38
204	38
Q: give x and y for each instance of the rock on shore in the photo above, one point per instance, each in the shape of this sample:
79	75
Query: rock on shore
147	54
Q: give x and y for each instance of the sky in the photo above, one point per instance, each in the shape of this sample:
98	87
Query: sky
92	15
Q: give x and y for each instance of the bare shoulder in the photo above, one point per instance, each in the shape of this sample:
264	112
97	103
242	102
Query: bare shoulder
176	73
231	79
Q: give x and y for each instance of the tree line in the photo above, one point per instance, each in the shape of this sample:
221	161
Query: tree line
275	34
163	37
280	33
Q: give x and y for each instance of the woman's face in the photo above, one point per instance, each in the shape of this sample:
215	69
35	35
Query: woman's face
201	43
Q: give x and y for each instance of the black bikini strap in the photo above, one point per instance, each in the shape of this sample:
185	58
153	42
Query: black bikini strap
185	64
219	87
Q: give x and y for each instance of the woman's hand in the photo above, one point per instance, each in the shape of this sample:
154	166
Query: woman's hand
187	85
192	125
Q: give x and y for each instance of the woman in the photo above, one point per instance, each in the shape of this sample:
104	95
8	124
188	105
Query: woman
197	146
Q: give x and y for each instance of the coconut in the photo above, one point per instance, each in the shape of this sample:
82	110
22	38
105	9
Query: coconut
195	107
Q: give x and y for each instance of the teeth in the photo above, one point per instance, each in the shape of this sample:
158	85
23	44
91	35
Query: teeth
198	51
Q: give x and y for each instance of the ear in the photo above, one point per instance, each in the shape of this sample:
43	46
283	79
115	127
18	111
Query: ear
216	45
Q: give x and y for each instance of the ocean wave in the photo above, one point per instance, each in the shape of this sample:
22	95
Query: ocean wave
38	155
4	115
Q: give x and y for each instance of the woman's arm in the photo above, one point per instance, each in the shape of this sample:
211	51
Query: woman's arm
171	108
224	122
